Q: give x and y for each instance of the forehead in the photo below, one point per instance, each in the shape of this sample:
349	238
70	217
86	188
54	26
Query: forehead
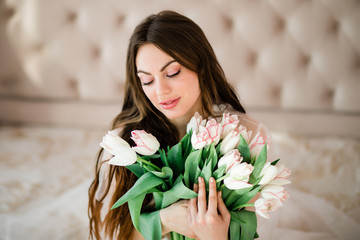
150	57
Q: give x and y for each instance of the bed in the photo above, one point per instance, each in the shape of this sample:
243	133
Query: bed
295	65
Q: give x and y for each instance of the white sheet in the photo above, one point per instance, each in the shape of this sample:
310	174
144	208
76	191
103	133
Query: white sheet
45	173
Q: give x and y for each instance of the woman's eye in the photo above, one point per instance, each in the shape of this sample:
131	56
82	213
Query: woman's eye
173	75
147	83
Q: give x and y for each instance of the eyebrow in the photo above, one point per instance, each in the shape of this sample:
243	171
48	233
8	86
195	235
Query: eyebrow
162	68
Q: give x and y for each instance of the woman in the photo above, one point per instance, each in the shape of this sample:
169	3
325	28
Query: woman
171	73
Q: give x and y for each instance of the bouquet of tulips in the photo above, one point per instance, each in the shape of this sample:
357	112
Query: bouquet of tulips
222	150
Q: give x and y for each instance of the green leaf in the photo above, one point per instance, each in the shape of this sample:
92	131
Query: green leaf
248	224
260	162
166	173
244	150
142	185
186	144
158	197
150	225
218	174
178	191
275	162
192	170
245	198
163	157
213	157
234	195
136	169
235	229
175	159
135	205
206	173
218	146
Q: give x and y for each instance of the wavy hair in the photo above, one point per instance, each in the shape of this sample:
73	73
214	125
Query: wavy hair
182	39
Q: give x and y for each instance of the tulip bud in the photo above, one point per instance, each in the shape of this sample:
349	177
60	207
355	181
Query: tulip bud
230	141
230	159
239	176
146	144
256	144
194	123
268	173
264	206
274	191
229	123
123	154
282	175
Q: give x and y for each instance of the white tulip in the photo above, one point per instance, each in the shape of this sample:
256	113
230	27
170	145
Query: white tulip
268	173
256	144
123	154
239	176
230	141
195	123
229	123
146	143
274	191
264	206
282	175
230	159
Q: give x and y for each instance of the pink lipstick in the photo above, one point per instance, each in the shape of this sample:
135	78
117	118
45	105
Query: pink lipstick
171	103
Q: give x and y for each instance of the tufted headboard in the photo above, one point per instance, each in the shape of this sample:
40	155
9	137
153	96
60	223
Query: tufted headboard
294	63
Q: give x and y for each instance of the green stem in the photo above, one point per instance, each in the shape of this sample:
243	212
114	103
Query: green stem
222	178
148	163
244	205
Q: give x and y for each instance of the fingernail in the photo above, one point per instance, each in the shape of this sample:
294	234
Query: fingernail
200	180
220	193
212	180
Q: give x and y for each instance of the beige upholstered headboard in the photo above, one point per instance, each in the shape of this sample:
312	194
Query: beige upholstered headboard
294	63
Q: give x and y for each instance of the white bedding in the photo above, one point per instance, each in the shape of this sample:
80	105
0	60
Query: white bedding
45	173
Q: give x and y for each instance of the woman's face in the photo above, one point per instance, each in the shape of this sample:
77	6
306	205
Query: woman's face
172	89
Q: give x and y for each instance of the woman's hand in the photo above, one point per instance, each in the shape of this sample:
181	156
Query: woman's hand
208	221
175	218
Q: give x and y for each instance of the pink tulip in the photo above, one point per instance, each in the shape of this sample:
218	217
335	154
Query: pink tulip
274	191
256	144
282	176
206	135
229	123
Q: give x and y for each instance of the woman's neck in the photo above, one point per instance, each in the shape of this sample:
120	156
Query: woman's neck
182	122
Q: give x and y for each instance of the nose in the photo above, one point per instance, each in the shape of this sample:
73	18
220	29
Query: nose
162	86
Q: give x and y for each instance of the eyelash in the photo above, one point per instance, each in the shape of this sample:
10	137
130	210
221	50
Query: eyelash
147	83
173	75
168	76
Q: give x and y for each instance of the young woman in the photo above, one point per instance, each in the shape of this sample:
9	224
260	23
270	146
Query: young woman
171	73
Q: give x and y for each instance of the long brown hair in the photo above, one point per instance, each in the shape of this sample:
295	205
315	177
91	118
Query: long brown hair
183	40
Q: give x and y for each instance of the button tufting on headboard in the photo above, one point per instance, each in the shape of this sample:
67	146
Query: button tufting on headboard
284	56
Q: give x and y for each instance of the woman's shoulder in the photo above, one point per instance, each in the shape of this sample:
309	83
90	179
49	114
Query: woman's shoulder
245	120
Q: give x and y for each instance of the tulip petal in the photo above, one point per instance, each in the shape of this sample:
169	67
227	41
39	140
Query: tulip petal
233	184
125	159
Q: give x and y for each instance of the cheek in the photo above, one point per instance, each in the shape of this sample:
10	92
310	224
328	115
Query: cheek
150	94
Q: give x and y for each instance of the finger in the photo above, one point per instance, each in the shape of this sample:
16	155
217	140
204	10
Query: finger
224	212
192	209
212	209
201	197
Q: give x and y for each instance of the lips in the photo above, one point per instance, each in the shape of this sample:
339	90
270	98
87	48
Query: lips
171	103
